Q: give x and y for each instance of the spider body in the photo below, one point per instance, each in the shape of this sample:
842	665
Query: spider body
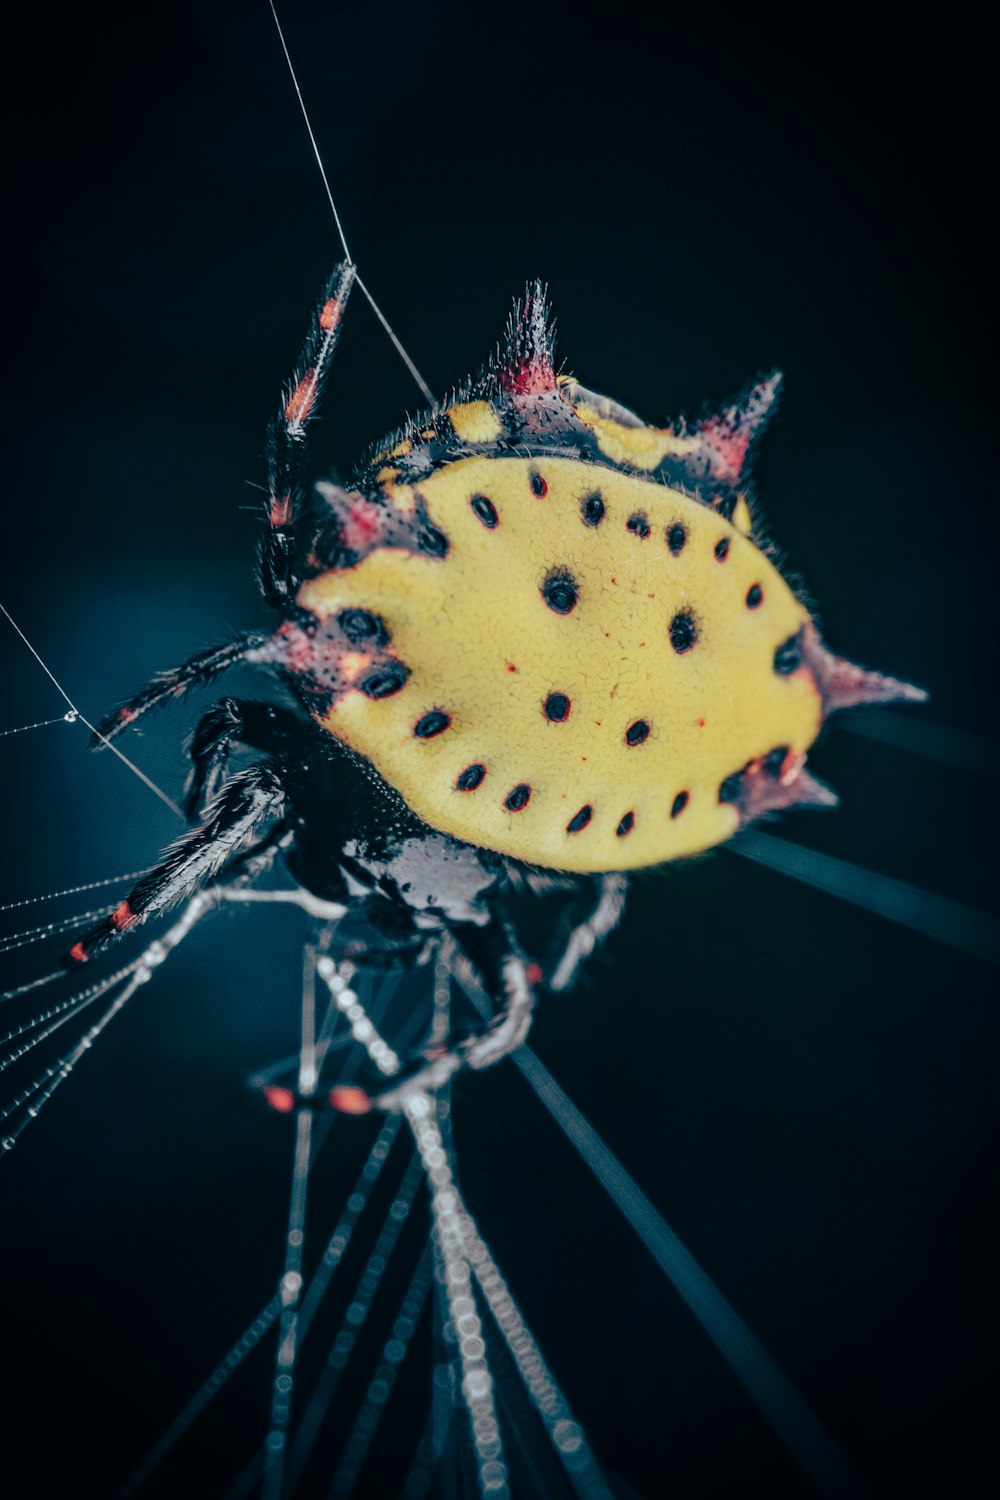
533	635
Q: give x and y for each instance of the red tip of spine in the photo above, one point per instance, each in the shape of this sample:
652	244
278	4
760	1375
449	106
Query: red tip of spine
78	953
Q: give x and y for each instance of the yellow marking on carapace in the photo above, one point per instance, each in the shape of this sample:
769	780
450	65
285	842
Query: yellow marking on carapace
639	447
475	422
741	516
459	622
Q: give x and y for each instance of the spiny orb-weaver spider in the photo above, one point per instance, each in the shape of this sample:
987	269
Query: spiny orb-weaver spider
539	643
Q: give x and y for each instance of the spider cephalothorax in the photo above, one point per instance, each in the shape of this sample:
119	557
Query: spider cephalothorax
533	630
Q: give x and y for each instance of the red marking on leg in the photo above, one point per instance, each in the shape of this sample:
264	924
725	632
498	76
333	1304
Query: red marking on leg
300	402
281	510
533	973
123	917
330	314
350	1100
78	953
283	1100
126	715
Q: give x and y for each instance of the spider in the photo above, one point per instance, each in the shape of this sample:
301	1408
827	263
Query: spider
536	644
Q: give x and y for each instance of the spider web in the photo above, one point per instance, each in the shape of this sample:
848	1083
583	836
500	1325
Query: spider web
497	1418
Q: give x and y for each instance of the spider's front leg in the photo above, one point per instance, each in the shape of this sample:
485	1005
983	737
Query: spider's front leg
283	547
252	799
284	544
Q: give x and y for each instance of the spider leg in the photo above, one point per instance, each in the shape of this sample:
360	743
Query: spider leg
251	799
511	982
588	934
281	547
174	683
266	727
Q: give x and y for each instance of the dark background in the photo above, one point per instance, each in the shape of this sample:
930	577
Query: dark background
805	1092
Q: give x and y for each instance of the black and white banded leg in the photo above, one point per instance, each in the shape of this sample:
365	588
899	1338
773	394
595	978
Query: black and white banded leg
587	935
248	803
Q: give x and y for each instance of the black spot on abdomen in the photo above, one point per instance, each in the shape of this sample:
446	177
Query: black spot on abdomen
561	593
788	657
432	541
729	790
434	723
683	633
592	509
384	683
362	628
486	511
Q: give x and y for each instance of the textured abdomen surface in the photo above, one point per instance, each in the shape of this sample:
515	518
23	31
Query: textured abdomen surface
588	662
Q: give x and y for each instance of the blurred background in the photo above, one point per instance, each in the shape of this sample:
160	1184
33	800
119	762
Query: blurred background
804	1090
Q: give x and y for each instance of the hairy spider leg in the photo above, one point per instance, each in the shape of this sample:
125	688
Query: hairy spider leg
281	550
253	798
175	683
267	727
